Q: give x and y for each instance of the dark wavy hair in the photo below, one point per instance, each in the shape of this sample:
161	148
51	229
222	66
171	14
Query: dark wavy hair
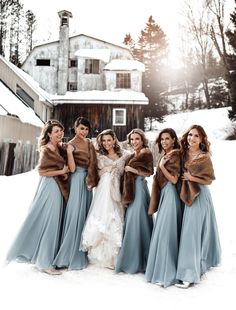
204	145
139	132
83	121
44	137
101	149
173	135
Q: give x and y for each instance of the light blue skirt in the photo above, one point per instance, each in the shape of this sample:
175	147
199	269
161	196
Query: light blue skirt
137	232
69	255
199	244
163	252
38	239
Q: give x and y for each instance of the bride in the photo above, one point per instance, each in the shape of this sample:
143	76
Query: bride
102	232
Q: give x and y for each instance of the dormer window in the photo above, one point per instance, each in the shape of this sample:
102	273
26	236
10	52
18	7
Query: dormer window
91	66
123	80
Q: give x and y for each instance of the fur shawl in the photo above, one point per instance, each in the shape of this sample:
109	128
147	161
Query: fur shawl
87	159
49	161
159	180
200	167
142	162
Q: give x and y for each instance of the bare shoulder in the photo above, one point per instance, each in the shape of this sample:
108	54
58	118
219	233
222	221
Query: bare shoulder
145	150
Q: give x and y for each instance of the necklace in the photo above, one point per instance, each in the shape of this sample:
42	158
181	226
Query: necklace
194	155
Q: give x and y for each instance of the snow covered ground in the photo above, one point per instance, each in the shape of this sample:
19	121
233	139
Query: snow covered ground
23	287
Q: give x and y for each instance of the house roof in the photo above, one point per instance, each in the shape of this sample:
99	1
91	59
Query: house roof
43	95
125	64
85	35
94	53
10	104
101	97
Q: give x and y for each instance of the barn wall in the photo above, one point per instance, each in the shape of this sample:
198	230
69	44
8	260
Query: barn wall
100	117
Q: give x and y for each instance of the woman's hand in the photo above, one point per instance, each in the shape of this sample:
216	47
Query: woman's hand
163	161
65	170
130	169
104	170
186	176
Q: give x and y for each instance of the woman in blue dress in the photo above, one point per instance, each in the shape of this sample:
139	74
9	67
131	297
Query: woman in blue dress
82	162
138	225
199	247
163	252
38	239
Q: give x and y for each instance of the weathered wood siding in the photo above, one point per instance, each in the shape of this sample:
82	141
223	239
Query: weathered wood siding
100	117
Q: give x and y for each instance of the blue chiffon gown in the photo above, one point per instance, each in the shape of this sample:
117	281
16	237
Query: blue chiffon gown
70	256
163	252
38	239
199	244
137	232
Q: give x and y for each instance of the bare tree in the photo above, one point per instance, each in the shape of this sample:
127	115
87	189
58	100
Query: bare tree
198	26
4	14
218	29
16	31
30	22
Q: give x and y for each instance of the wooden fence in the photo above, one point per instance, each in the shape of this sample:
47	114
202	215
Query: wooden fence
17	157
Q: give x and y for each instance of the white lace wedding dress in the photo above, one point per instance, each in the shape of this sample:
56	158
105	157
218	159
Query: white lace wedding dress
102	234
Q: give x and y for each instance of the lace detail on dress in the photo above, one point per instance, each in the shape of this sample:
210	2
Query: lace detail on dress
102	234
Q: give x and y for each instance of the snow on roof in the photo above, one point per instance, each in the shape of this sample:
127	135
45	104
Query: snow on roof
95	53
125	64
9	103
43	95
101	97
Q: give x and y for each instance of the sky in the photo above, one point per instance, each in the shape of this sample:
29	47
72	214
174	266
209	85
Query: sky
111	20
25	288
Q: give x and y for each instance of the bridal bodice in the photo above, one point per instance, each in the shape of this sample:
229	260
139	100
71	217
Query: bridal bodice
115	172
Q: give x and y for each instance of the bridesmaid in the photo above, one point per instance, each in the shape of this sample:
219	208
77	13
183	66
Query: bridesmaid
38	239
199	247
138	225
82	162
163	253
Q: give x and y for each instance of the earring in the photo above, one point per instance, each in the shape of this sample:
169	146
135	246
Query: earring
202	146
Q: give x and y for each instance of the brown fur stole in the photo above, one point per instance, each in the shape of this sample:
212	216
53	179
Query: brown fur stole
159	180
143	162
87	160
49	161
200	167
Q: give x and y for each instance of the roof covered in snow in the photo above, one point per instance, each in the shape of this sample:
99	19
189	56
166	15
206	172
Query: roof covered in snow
95	53
101	97
10	104
43	95
125	64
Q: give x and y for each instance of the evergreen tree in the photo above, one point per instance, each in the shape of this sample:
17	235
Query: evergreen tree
152	47
231	34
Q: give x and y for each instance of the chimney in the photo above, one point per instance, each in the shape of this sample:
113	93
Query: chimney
62	77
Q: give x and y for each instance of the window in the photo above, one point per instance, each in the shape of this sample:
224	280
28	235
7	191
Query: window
43	62
24	96
91	66
64	20
72	86
72	63
119	117
123	80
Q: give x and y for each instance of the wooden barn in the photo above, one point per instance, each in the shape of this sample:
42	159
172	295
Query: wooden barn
87	76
